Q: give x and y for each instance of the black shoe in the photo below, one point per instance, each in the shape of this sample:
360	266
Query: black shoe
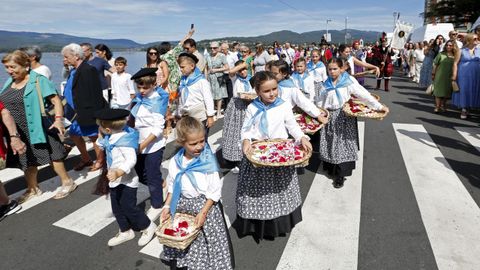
8	209
338	182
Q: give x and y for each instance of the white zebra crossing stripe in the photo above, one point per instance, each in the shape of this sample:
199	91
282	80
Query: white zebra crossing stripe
10	173
327	238
84	222
51	186
95	216
154	248
471	134
450	215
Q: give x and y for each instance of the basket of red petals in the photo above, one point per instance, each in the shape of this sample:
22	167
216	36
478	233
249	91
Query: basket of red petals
278	152
180	234
308	124
357	108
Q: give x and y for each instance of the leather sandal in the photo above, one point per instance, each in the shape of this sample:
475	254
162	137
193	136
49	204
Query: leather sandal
64	191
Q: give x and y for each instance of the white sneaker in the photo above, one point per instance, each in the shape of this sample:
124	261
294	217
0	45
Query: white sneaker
235	170
121	237
154	213
147	234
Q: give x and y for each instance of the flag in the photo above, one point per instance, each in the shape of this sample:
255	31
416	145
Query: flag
400	34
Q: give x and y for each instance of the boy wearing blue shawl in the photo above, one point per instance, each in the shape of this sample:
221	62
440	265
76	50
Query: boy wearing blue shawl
148	111
195	95
120	144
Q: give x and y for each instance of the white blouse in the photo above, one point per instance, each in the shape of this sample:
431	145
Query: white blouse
209	184
238	86
319	74
123	158
281	122
199	93
295	97
309	84
147	123
328	99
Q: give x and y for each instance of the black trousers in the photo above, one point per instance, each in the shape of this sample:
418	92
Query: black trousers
125	209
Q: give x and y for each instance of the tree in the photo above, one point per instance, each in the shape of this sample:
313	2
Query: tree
458	12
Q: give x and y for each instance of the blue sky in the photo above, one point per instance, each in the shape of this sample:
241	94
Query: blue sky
147	20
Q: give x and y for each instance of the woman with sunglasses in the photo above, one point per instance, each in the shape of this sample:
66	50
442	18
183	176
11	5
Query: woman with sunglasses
154	61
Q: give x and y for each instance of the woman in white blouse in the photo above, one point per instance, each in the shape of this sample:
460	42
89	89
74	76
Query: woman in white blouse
339	137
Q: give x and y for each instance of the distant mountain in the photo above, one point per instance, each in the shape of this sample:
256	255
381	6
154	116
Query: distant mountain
338	36
54	42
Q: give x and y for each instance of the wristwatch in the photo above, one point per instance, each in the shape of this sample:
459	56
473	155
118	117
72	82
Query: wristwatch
16	135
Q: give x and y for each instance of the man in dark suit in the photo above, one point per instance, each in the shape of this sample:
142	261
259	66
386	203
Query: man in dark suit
83	92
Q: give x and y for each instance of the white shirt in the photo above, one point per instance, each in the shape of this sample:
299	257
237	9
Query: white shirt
319	74
351	64
123	158
232	58
418	55
309	85
209	184
290	55
329	100
147	123
44	70
199	95
122	88
281	122
238	86
295	97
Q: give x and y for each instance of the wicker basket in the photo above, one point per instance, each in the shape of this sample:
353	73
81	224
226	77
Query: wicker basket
300	162
356	99
371	115
247	95
312	131
177	242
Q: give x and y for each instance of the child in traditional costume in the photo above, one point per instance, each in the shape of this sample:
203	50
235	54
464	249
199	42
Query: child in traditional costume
268	198
339	138
195	188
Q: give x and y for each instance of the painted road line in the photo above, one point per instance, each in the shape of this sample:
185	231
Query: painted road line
52	185
96	215
9	173
471	134
327	238
450	215
154	248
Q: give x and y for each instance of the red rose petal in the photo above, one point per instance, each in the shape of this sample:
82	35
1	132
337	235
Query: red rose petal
169	232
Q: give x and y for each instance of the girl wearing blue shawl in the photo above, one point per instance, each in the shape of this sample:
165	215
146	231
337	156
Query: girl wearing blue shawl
268	198
289	92
234	117
303	79
339	138
195	187
316	68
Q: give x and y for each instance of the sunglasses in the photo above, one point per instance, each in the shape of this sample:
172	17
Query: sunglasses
152	53
213	48
244	51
